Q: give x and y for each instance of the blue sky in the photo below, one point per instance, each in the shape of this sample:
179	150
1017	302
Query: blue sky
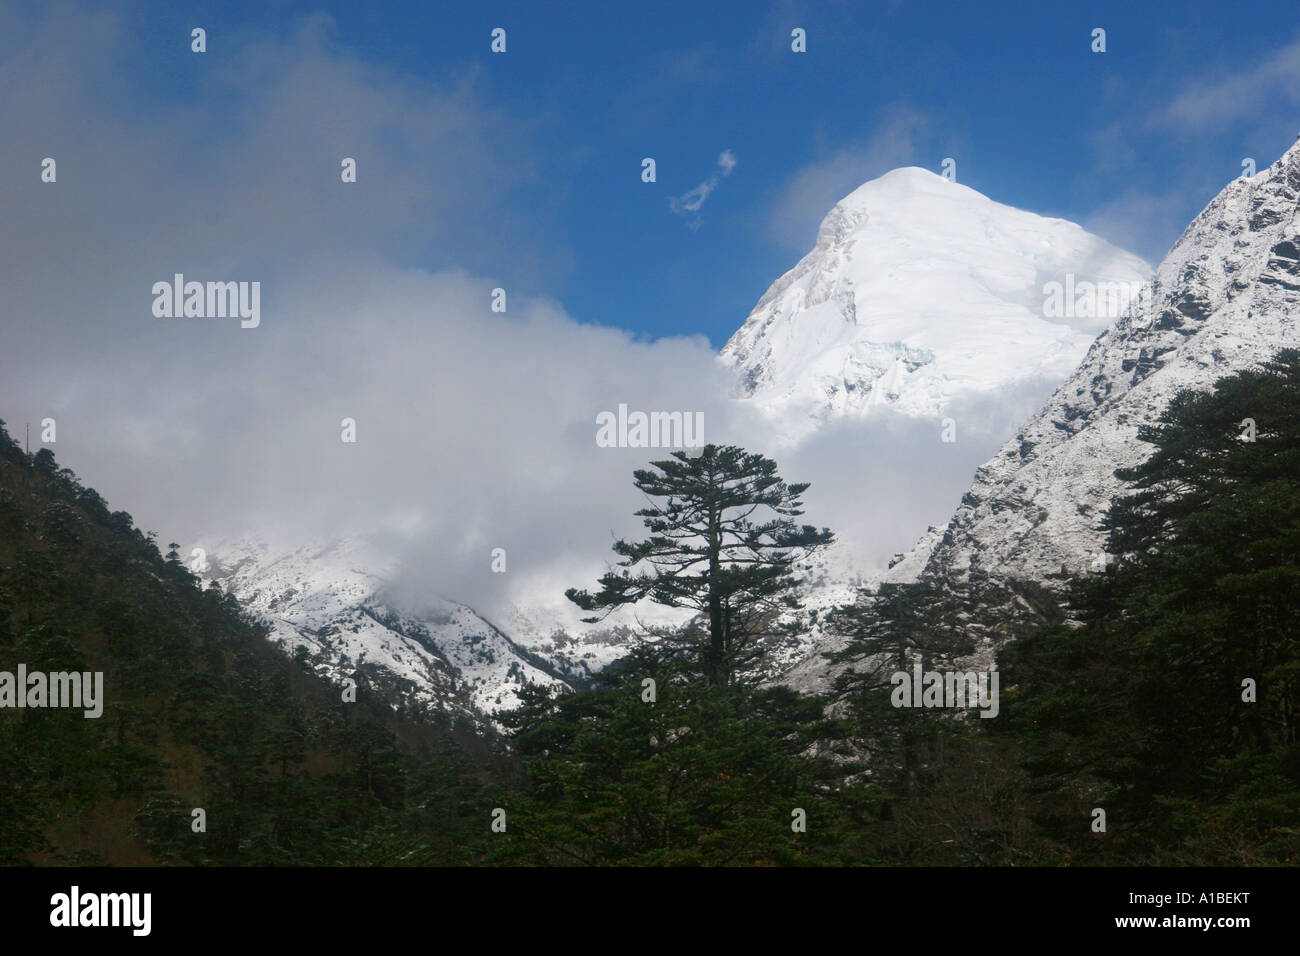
1131	143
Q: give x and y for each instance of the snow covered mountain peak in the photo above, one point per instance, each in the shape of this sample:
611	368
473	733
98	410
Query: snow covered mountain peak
892	191
900	187
917	291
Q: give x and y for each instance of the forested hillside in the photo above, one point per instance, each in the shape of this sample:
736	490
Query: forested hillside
200	712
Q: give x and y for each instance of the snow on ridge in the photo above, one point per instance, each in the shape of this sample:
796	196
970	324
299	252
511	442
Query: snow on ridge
328	599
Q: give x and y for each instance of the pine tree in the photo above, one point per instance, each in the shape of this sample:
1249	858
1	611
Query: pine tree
708	552
885	632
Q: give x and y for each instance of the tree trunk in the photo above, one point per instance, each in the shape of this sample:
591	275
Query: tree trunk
714	670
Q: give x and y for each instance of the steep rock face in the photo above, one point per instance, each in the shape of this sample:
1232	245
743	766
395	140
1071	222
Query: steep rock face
919	291
1225	298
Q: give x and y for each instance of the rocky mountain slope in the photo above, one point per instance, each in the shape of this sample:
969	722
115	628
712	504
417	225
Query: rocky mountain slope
332	602
1225	297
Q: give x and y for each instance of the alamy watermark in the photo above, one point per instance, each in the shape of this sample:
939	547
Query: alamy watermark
75	908
955	689
1072	299
649	429
82	690
208	300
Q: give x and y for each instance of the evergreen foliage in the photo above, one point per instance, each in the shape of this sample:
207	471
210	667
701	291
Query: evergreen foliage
708	552
700	775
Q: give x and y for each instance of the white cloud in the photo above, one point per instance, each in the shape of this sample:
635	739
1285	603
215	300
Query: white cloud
689	203
1229	97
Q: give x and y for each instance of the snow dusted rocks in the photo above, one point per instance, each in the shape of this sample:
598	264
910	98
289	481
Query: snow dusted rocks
1225	297
918	291
332	601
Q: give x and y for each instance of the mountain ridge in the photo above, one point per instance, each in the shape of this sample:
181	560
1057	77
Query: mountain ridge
1223	299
